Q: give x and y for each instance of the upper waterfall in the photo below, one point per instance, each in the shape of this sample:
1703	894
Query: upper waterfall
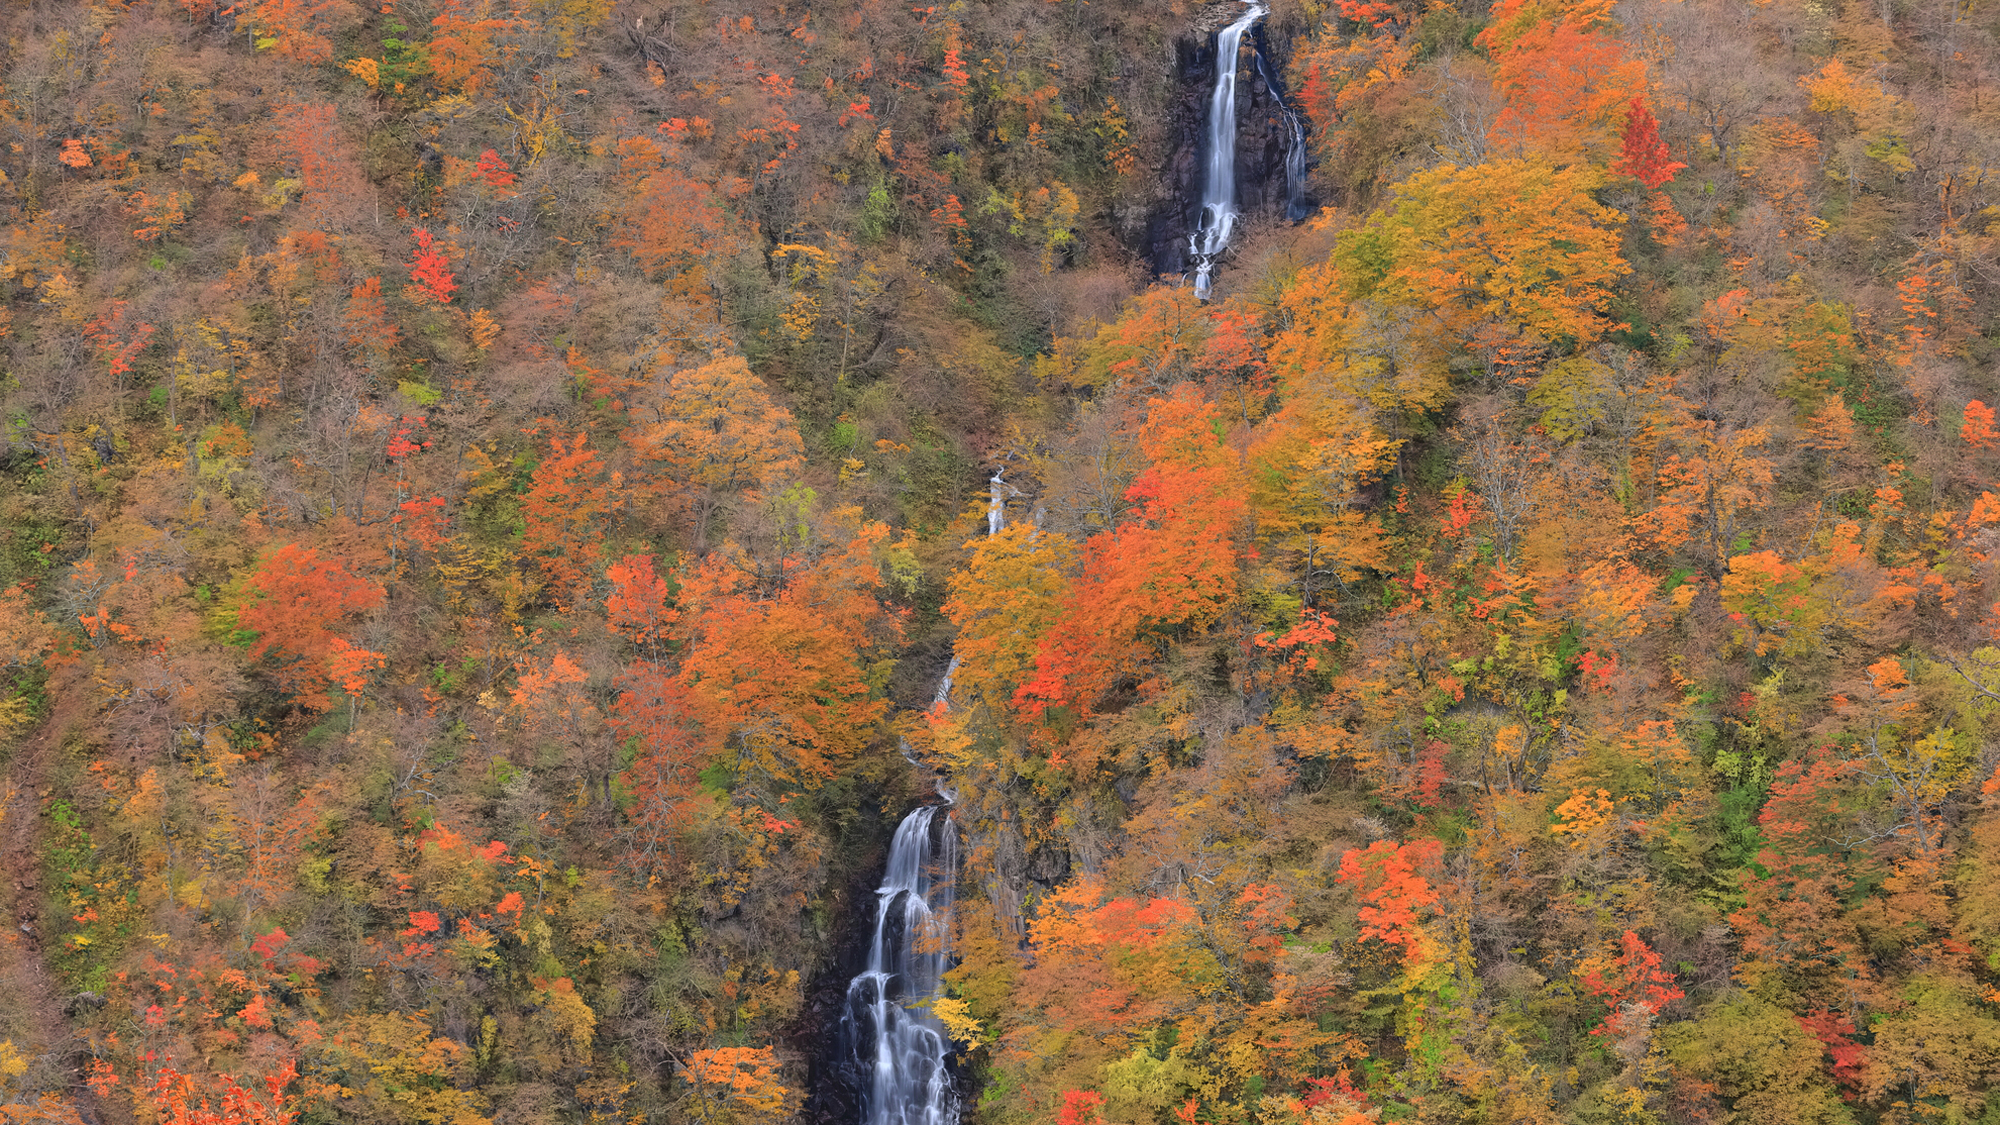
1297	206
1218	193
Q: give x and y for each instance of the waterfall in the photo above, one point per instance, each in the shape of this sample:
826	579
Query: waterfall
996	521
1297	207
894	1038
943	696
1218	193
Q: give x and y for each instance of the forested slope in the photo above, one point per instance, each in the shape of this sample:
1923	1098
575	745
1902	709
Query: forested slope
490	489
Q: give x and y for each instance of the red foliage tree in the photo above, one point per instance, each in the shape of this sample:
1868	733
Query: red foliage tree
1563	85
1845	1057
1393	888
661	718
1380	13
121	341
497	173
1634	982
1642	153
1081	1107
430	269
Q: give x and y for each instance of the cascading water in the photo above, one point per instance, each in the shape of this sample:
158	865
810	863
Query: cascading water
1218	191
996	505
1297	207
896	1040
996	522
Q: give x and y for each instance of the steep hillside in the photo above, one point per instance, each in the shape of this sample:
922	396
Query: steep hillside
491	489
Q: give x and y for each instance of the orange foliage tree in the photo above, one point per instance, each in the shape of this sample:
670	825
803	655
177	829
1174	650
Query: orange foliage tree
1171	569
1978	430
1391	881
787	663
293	602
567	499
1565	88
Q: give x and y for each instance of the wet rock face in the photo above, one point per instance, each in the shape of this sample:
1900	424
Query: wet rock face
1166	244
833	1091
1263	139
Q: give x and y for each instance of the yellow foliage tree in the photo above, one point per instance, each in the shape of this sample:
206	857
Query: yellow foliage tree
718	433
1518	244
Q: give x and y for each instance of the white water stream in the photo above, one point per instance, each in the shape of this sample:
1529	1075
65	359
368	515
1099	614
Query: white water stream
1297	207
1218	191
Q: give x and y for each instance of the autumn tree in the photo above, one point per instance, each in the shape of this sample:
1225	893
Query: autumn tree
1170	569
1917	760
25	638
1392	880
718	435
1633	987
662	722
430	270
292	604
1978	430
369	330
1393	883
675	226
726	1080
1310	463
641	606
1516	245
1155	341
569	494
1565	86
1708	488
1342	352
1006	598
461	53
786	662
1642	154
300	29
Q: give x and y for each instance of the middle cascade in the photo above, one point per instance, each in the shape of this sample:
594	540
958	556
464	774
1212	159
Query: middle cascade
1218	193
894	1038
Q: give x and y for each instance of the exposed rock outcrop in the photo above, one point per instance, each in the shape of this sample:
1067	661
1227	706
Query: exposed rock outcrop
1263	138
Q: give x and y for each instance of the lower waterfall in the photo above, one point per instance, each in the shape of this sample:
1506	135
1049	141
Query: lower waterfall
893	1035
